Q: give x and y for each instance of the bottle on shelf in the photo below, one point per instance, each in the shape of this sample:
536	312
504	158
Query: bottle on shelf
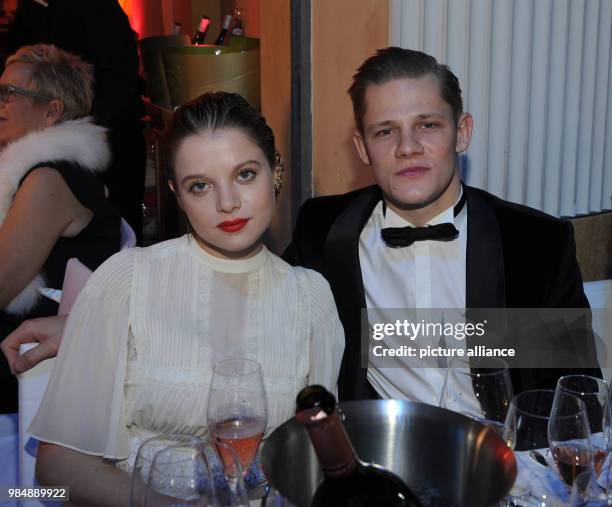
224	35
348	481
238	25
200	35
176	28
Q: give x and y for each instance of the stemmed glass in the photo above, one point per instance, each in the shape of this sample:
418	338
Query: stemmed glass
181	474
526	429
489	381
593	392
569	436
237	410
144	457
193	474
526	425
586	492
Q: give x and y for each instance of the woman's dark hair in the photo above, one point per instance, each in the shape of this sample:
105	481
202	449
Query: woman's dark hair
215	111
397	63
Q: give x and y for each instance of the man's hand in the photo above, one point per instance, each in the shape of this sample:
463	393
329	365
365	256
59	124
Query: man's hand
46	330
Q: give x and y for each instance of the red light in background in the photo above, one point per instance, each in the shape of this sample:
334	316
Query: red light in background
135	13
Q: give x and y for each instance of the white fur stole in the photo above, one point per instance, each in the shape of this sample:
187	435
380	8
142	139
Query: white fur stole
77	141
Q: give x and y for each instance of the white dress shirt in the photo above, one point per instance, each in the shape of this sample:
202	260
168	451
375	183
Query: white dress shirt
427	275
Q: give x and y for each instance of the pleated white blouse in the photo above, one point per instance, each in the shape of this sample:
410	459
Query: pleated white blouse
138	348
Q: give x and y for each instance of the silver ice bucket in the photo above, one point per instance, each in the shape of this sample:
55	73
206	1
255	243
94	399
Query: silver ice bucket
447	459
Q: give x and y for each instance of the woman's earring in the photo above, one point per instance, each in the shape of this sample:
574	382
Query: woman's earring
277	176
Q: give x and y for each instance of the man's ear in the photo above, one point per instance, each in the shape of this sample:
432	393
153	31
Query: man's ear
55	110
361	147
464	132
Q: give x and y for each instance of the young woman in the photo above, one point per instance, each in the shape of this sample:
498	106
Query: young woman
139	345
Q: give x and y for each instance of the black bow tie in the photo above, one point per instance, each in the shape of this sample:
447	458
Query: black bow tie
398	237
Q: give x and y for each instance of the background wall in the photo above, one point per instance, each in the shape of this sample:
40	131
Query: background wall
537	77
275	64
344	33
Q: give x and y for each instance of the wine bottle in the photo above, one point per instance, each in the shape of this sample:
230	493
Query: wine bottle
200	35
238	22
223	35
348	481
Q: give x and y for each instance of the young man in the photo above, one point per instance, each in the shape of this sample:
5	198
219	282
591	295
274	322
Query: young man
494	254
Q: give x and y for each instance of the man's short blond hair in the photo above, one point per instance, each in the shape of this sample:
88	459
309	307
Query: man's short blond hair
59	75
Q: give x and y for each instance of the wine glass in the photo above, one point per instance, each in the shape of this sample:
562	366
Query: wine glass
586	492
181	474
144	457
480	388
526	425
237	409
230	488
526	429
593	392
569	436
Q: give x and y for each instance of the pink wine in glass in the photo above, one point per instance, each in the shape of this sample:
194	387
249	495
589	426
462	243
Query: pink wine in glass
572	460
242	433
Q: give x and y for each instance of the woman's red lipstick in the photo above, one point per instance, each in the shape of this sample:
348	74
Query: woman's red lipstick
233	225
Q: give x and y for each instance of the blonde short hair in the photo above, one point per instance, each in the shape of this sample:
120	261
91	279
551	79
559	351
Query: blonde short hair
59	75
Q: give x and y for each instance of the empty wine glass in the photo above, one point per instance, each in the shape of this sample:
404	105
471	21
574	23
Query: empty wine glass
144	457
480	388
181	474
593	392
526	429
237	409
569	436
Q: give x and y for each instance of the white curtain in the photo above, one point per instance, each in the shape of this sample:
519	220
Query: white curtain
537	77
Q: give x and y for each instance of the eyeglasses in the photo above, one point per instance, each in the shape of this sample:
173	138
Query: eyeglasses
6	90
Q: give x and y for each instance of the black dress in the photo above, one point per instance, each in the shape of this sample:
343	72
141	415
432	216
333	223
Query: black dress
92	246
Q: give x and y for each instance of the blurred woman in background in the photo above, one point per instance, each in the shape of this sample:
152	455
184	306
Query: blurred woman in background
52	202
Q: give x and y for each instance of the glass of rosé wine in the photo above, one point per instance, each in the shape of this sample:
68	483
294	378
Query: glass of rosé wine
237	410
569	437
593	392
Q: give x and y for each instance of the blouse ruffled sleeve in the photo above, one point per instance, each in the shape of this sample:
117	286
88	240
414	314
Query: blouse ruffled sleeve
83	406
327	334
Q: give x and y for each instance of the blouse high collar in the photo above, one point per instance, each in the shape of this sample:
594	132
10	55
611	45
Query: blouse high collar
227	265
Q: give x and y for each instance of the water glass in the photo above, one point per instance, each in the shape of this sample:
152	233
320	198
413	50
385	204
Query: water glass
181	474
193	474
142	465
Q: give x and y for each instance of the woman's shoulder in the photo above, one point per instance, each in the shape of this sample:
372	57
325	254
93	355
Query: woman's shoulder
163	249
312	278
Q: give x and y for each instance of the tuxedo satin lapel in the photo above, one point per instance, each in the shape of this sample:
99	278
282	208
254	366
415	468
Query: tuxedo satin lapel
344	273
342	245
485	276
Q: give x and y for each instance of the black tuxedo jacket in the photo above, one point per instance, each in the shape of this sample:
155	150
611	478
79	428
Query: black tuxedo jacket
517	257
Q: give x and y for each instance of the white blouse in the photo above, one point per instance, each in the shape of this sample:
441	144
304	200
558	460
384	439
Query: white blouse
137	352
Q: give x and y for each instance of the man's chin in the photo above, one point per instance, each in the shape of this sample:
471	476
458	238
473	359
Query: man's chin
410	202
